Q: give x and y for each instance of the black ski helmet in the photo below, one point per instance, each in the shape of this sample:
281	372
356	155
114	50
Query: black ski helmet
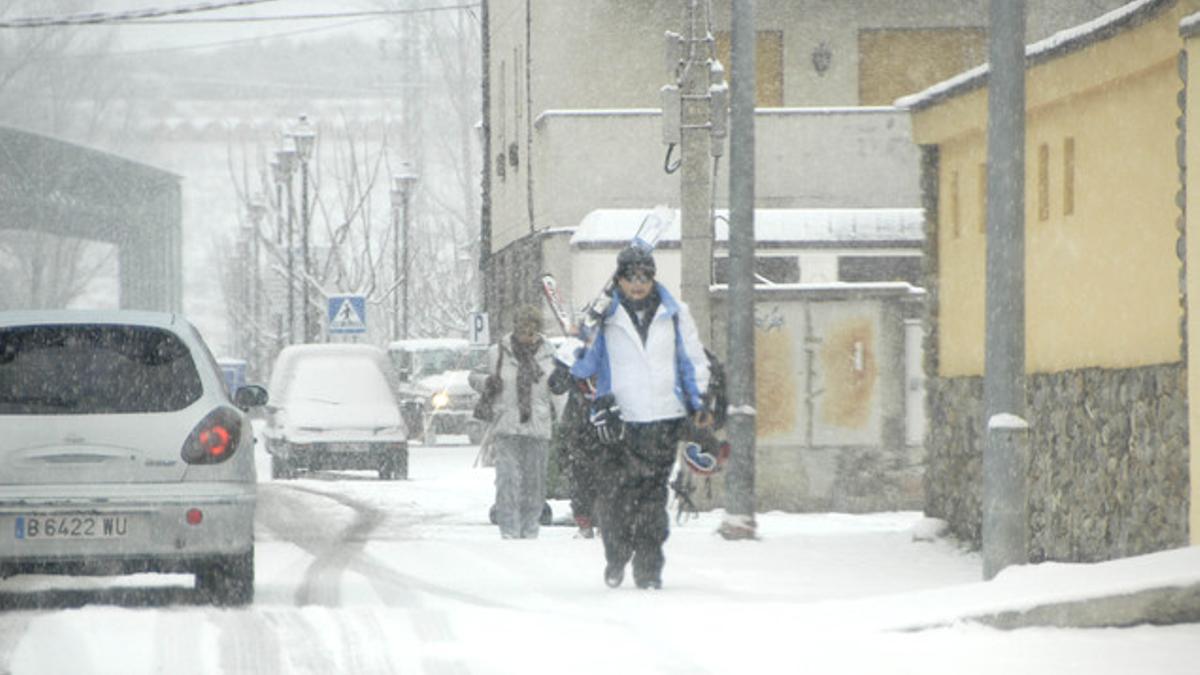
635	257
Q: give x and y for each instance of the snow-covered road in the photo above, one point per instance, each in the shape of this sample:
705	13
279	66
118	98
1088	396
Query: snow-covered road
355	575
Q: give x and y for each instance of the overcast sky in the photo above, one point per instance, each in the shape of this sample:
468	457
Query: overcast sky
195	29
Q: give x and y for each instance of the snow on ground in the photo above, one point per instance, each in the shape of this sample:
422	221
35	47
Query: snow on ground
436	590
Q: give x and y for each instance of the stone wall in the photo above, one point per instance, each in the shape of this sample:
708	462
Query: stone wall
1108	470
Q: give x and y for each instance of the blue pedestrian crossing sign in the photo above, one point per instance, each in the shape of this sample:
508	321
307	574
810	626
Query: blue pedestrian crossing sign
347	314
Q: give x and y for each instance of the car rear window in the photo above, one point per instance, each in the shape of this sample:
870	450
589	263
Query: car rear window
339	379
78	369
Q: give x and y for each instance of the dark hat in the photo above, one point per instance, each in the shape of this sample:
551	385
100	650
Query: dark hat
635	257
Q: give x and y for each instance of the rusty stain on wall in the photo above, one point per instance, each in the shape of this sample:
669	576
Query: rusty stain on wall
849	368
775	378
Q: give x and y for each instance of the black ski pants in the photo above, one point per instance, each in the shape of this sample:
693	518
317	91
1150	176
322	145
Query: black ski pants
633	509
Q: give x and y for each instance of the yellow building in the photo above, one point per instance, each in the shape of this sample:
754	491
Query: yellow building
1106	346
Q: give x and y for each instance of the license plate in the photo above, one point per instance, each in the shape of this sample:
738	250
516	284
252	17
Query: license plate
71	526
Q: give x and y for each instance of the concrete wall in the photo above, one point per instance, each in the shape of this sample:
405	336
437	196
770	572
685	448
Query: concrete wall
808	158
830	374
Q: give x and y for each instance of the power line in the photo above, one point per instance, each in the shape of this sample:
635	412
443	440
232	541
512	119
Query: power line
92	18
150	17
210	45
303	17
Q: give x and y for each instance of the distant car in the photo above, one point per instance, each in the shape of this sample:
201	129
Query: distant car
333	407
435	396
234	372
121	451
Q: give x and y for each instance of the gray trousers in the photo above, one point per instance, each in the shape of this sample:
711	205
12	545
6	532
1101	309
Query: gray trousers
520	484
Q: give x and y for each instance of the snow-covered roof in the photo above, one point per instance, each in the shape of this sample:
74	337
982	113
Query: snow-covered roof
835	288
1062	42
615	227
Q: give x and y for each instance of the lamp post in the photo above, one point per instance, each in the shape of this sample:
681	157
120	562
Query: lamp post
258	211
402	185
283	166
304	137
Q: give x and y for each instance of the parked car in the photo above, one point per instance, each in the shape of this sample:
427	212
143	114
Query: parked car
434	394
121	451
334	407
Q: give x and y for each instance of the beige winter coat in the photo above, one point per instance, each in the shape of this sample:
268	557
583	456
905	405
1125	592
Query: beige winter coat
507	418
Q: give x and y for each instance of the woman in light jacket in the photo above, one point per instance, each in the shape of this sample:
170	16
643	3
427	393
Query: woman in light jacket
522	419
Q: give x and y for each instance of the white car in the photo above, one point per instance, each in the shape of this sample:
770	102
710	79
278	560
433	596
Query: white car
334	408
121	451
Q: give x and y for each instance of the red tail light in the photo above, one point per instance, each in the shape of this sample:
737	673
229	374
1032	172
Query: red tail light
215	439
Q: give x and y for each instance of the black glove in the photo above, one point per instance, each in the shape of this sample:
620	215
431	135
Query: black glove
492	385
606	418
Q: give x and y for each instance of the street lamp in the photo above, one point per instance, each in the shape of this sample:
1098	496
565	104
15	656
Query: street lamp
257	211
304	136
402	185
283	167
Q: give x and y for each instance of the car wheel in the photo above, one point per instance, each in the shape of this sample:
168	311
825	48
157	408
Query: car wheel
228	580
395	465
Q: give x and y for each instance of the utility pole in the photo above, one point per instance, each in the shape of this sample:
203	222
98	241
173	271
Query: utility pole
1006	444
739	521
699	100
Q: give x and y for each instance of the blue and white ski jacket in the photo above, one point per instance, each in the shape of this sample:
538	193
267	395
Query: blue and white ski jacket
660	380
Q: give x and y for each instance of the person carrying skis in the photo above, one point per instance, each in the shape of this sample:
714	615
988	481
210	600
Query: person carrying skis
576	441
650	374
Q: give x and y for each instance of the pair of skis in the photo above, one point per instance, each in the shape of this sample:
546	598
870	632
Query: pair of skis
648	233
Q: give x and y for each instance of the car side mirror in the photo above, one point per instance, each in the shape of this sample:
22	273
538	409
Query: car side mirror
251	396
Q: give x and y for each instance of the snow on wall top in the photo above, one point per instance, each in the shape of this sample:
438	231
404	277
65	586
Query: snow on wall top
424	344
617	226
1062	42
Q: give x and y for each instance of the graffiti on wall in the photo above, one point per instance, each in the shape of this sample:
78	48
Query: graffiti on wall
774	373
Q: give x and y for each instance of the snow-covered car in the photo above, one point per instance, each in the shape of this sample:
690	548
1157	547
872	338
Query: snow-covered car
433	389
334	407
121	451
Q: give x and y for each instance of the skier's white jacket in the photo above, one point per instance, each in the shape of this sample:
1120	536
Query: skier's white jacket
660	380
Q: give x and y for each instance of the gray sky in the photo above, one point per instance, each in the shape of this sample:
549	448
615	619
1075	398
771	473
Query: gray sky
196	33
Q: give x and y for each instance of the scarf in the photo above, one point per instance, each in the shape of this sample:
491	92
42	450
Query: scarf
641	312
528	372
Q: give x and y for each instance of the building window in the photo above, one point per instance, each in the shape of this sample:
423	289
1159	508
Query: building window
776	269
853	268
1043	182
894	62
1068	175
768	66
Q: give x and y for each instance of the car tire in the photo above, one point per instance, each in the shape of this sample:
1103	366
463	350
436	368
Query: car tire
228	581
395	465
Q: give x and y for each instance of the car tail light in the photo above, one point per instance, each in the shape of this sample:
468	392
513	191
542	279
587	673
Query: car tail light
215	439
